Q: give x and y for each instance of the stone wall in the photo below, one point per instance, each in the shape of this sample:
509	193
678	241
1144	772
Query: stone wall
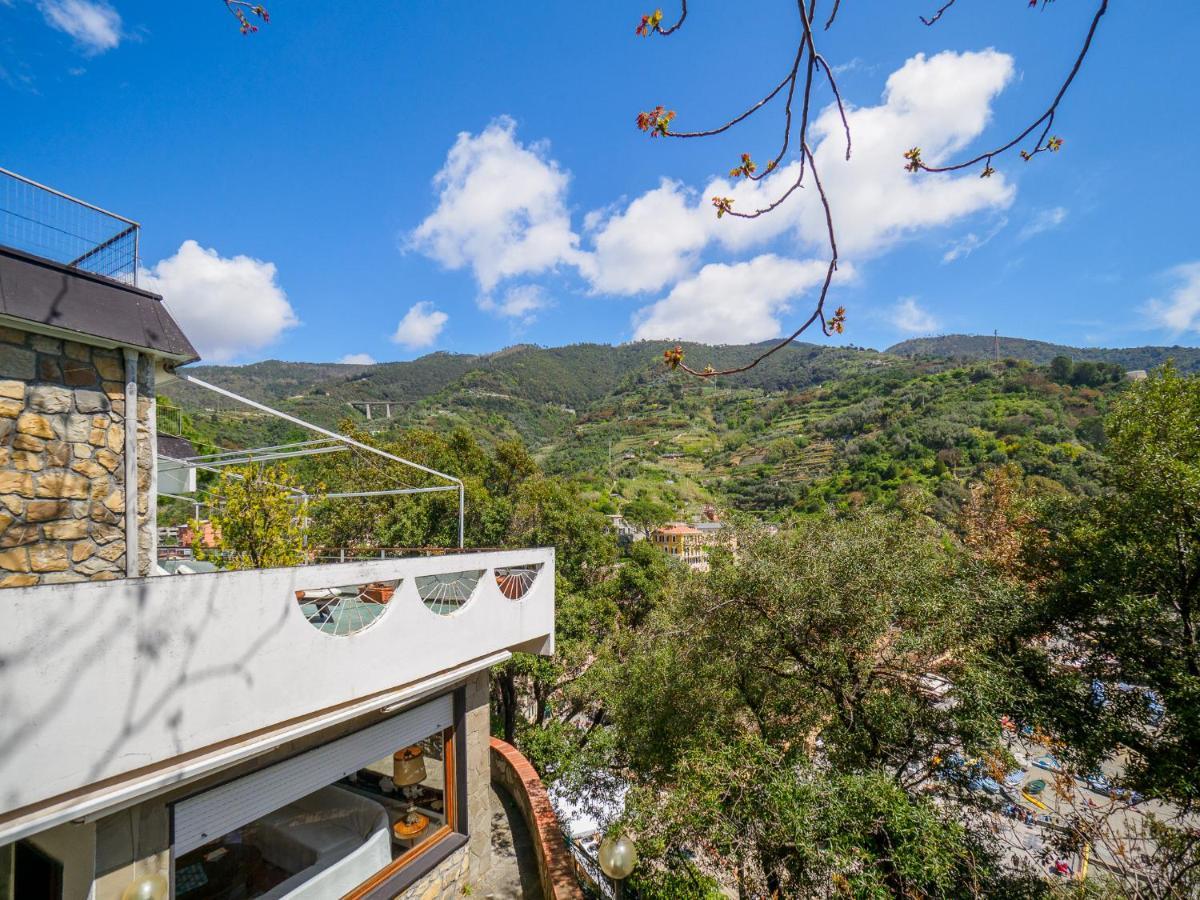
445	881
62	461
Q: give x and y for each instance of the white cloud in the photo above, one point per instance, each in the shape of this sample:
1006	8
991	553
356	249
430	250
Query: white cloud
939	103
652	242
1044	220
907	316
1181	310
93	24
521	301
854	65
420	326
357	359
731	303
970	242
501	209
225	305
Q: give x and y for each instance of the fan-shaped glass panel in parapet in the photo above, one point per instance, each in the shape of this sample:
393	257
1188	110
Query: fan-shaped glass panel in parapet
348	609
448	592
515	581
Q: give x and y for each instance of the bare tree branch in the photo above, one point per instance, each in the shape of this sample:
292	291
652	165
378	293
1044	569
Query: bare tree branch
937	15
238	9
658	124
818	313
837	4
1046	118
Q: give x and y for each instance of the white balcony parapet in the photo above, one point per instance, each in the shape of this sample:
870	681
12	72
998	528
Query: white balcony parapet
101	680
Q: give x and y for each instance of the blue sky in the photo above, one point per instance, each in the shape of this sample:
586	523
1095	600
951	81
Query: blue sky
398	178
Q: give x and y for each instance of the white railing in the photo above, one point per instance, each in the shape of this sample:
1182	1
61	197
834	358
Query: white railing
45	222
98	680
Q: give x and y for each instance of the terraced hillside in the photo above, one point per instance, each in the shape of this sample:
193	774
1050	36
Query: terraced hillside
813	426
983	346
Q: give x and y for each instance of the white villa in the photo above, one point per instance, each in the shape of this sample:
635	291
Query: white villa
317	732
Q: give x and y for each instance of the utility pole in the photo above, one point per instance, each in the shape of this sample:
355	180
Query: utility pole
996	339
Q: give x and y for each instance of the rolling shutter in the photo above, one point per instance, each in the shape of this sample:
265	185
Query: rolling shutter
205	817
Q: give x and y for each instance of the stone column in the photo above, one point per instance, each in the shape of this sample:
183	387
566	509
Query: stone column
479	775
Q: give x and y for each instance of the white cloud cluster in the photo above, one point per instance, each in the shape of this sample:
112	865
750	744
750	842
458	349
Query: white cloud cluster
731	303
501	209
94	25
521	301
420	326
227	306
940	104
907	316
357	359
1181	310
1043	220
971	241
653	242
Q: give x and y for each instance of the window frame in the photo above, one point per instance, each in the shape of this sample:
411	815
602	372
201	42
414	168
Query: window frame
404	870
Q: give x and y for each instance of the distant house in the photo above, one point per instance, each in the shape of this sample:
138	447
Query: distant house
208	535
626	533
683	542
1136	375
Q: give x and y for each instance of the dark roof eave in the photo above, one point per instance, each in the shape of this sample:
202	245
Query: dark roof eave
58	299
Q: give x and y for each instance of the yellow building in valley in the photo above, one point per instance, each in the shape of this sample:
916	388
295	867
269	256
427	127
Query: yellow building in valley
683	542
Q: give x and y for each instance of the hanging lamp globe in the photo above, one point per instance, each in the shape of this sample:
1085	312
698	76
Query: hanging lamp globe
148	887
618	857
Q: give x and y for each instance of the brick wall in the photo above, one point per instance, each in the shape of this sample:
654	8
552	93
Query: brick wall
62	461
513	772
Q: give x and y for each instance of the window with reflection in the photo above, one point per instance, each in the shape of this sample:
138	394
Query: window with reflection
411	785
339	840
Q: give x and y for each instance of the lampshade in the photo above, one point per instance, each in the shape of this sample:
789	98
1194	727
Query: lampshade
148	887
618	857
408	766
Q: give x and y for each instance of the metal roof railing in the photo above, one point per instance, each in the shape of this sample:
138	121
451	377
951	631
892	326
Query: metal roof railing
38	219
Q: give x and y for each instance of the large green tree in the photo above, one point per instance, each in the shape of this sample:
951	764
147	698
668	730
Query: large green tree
837	659
1127	590
259	516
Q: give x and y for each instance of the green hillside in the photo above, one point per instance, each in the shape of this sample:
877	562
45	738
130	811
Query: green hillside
813	426
983	346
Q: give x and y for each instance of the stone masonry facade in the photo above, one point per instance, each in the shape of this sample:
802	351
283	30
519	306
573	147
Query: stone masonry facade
459	873
479	774
62	461
448	880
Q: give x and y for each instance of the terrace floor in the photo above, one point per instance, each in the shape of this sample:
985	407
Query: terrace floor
514	874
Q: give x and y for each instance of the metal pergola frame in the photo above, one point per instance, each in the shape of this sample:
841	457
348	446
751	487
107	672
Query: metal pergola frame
329	442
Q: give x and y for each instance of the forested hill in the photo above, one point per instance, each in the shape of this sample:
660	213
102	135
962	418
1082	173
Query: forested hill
811	427
983	346
570	376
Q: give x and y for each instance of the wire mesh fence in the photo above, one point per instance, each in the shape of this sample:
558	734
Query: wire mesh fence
48	223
